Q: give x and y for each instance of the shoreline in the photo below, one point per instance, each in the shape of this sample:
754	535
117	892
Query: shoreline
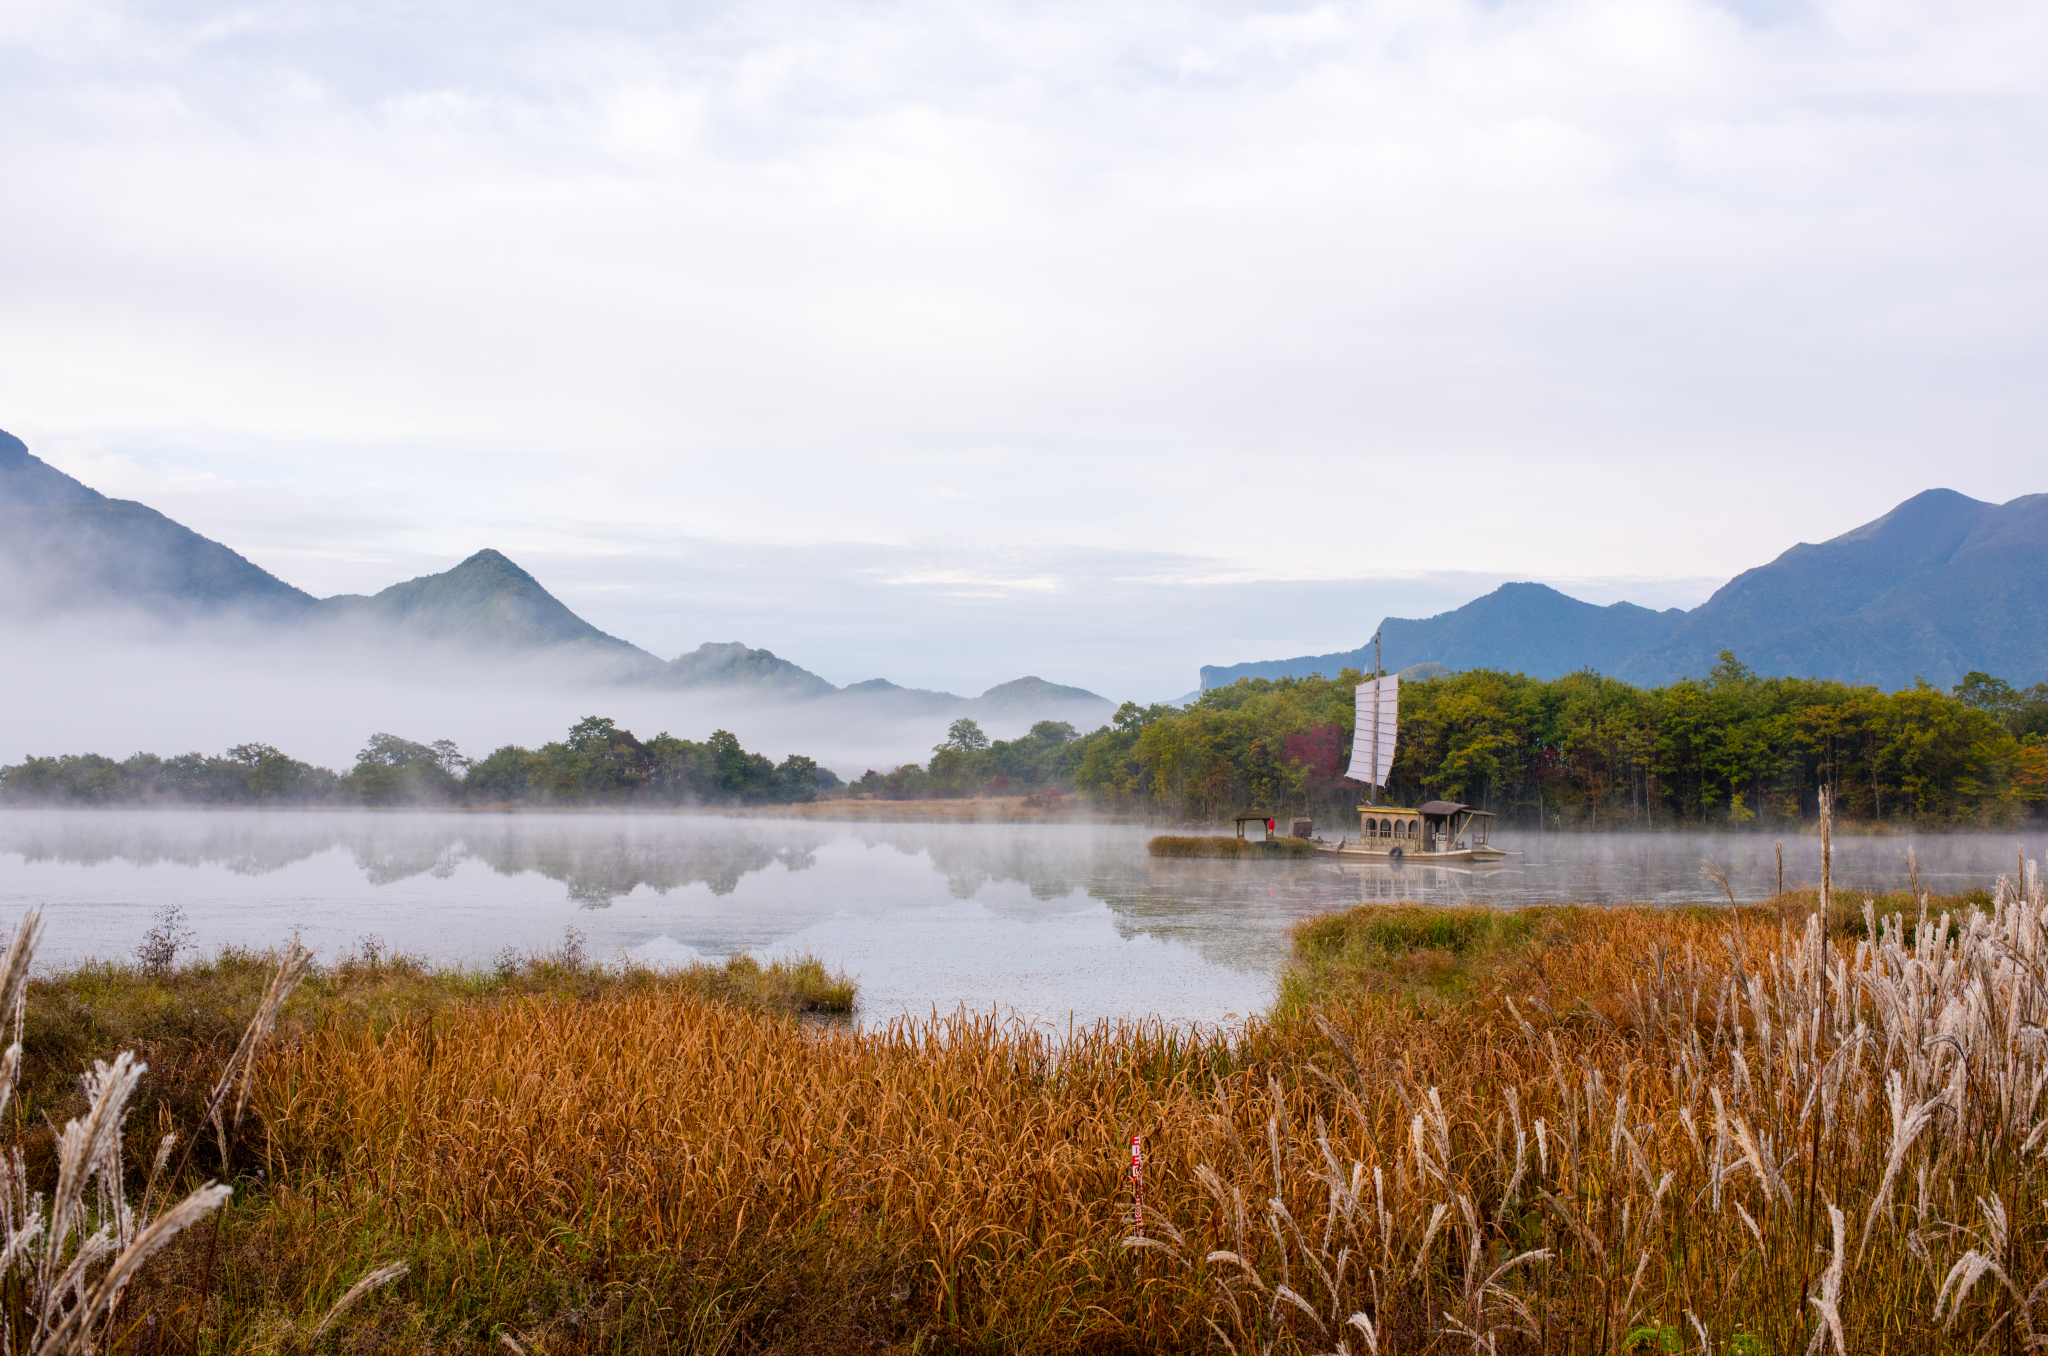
1012	810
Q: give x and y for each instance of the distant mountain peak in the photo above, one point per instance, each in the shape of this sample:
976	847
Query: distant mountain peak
486	602
1939	585
1930	511
734	664
1031	690
492	559
67	547
1522	626
27	481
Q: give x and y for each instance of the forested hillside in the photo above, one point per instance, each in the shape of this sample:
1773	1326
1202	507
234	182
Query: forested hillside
1585	751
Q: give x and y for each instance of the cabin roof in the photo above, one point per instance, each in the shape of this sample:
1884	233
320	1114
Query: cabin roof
1452	807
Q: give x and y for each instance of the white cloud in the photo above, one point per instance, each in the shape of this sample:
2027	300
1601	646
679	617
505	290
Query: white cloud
1546	288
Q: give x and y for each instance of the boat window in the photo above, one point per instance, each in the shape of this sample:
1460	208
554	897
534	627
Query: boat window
1372	828
1401	829
1386	828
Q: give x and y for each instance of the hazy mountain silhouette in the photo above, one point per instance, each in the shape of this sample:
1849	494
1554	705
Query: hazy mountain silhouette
485	603
1941	585
65	547
1530	628
1032	693
27	481
68	547
732	664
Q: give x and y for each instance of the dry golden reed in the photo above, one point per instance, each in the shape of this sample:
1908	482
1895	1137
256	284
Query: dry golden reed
1659	1132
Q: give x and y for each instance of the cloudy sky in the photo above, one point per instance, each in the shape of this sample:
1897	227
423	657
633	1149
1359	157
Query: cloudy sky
953	339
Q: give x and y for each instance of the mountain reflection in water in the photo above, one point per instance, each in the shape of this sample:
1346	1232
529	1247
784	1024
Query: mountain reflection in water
1046	921
598	860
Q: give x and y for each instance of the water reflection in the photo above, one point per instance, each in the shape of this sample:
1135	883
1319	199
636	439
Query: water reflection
598	860
1046	919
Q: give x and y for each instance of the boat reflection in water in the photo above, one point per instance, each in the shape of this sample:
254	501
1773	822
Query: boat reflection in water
1411	880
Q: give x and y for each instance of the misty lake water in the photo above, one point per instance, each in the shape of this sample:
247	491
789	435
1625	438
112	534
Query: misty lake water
1051	922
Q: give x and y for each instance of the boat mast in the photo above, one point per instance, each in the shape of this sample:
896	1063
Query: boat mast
1372	793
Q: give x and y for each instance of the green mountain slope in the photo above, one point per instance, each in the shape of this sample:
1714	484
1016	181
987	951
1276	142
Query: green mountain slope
485	603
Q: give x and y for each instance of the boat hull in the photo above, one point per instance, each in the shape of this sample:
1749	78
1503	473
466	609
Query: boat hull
1358	852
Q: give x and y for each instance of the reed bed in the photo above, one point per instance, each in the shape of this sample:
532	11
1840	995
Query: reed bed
1223	845
816	1188
1654	1131
1730	1139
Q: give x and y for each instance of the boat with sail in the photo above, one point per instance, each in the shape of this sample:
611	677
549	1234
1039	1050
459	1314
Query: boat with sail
1434	832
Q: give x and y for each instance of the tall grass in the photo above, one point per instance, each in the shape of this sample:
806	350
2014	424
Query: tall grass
69	1255
1222	845
738	1175
1745	1142
1657	1131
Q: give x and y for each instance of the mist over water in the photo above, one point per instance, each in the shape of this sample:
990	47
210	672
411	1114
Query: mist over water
1045	922
121	687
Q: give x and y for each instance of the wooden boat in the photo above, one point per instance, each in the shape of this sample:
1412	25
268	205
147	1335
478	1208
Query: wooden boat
1438	832
1432	834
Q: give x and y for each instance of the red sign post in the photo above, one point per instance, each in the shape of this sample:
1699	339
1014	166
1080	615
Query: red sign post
1138	1180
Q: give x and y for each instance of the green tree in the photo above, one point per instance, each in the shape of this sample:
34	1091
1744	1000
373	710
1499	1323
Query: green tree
965	736
394	771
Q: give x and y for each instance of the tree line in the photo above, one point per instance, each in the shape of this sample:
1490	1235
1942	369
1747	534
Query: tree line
1587	751
969	763
597	763
1581	751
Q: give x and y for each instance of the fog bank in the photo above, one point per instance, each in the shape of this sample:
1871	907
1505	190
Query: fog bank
116	688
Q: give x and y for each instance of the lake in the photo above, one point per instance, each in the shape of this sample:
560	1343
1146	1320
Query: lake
1045	922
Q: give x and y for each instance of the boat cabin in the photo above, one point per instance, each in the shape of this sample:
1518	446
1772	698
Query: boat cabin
1439	826
1384	826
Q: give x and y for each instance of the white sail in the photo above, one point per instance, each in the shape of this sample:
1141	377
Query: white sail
1383	695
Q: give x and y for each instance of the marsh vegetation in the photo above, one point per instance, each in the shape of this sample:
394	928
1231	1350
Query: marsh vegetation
1785	1128
1218	845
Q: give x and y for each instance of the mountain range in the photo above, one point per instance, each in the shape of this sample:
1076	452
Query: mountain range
1940	586
67	548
